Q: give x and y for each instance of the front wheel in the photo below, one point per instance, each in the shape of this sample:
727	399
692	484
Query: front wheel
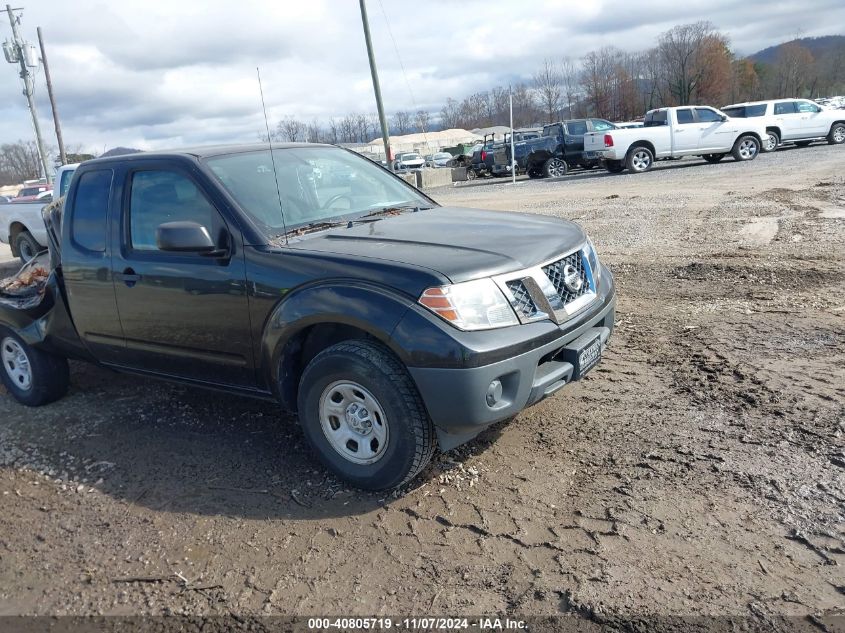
362	415
555	168
746	148
640	159
836	136
713	158
33	377
771	142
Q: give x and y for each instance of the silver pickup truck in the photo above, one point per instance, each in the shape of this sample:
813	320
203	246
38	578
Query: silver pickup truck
673	133
21	224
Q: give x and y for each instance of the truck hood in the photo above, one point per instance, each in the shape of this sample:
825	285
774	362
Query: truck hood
461	244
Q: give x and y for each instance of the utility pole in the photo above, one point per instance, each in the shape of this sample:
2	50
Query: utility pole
62	155
385	135
513	156
19	53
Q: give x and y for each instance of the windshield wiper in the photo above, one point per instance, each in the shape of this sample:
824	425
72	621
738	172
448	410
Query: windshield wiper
310	228
395	209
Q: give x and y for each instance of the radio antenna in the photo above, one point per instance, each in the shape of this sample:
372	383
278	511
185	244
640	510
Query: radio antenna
272	156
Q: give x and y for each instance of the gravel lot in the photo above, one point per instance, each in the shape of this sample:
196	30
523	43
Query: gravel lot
699	470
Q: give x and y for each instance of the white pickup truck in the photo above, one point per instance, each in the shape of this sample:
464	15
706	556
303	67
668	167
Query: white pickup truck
21	225
675	132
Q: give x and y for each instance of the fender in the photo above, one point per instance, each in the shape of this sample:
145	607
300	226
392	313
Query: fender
368	307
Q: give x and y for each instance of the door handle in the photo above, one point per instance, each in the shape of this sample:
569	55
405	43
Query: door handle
129	277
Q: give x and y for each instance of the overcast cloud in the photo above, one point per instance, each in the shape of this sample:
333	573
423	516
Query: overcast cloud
165	73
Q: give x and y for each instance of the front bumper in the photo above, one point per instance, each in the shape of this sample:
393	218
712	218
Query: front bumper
457	398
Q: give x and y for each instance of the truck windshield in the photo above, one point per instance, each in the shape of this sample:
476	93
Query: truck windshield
316	184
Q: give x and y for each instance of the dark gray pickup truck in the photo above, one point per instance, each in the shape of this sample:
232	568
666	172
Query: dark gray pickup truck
313	277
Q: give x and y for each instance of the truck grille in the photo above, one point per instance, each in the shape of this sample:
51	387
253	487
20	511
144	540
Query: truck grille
555	273
522	303
534	298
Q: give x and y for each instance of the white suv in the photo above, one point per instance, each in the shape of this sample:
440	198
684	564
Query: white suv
798	121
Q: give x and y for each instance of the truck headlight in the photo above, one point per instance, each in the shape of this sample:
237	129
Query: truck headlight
471	305
593	258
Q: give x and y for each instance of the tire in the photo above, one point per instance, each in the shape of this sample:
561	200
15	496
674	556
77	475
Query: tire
713	158
746	148
33	377
26	246
836	136
640	159
771	142
533	172
802	143
555	168
471	175
615	166
361	375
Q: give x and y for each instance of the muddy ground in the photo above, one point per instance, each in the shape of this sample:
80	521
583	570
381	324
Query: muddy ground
699	470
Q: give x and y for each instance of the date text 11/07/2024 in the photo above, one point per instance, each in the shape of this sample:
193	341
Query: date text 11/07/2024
416	624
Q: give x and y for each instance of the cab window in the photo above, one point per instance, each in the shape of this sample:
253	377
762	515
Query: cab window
685	116
157	197
600	125
577	128
707	115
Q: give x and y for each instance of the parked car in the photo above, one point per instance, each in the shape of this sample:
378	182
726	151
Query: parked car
21	224
29	194
798	121
559	147
389	324
440	159
673	133
5	199
407	161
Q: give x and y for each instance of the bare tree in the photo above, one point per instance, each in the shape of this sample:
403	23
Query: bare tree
548	84
290	129
313	132
421	119
682	51
450	114
402	122
19	161
569	81
793	70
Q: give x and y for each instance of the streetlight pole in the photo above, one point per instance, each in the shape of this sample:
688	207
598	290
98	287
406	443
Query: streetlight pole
385	134
29	87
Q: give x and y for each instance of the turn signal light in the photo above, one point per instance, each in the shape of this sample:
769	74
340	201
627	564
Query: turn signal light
608	140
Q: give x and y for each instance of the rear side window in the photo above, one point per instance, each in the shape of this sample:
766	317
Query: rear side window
785	107
756	110
685	116
577	128
707	115
655	118
90	210
738	113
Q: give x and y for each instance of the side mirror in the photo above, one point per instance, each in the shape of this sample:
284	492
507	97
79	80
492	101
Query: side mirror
184	237
724	117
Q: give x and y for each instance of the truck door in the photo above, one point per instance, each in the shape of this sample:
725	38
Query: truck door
714	134
686	132
184	314
574	141
86	264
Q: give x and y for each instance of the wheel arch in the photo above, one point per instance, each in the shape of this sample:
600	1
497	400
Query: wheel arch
315	318
15	229
647	144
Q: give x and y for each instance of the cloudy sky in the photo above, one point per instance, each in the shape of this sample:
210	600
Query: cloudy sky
166	73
